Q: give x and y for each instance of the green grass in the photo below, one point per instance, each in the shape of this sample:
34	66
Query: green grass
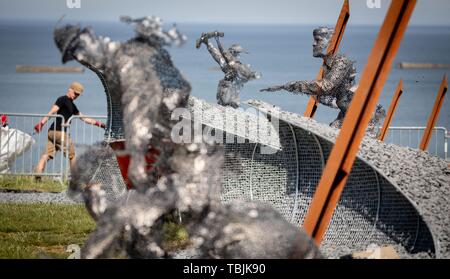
175	236
45	230
28	183
42	230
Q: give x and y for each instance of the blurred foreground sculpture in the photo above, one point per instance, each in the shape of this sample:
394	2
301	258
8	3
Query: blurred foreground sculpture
133	227
146	88
143	88
150	27
335	88
236	73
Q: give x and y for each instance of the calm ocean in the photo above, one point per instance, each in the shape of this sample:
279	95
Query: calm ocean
280	53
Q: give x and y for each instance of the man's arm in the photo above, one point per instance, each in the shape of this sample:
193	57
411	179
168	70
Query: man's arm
44	120
91	121
52	111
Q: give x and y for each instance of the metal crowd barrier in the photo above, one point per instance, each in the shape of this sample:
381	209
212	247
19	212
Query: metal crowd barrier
84	135
411	137
25	163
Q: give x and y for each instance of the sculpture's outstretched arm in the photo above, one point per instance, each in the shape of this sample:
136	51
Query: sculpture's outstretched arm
325	86
296	87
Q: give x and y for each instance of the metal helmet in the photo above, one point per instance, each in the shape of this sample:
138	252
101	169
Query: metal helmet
64	36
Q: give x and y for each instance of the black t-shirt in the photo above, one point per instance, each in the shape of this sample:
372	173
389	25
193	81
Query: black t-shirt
66	108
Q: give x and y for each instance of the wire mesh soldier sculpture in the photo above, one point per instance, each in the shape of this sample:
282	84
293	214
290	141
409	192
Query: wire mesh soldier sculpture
236	73
335	88
152	26
140	81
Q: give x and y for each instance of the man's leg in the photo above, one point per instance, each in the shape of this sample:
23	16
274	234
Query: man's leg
41	165
48	155
69	149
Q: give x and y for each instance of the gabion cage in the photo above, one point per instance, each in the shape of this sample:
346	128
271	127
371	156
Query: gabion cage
372	209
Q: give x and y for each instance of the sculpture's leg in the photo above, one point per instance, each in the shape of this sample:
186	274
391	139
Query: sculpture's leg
337	123
140	113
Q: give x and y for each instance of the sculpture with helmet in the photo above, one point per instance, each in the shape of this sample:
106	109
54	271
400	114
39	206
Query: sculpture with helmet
236	73
336	88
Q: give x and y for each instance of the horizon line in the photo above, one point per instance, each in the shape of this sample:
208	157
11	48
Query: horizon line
221	23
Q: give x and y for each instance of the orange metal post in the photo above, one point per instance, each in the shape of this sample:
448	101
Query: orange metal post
342	157
434	114
332	48
392	108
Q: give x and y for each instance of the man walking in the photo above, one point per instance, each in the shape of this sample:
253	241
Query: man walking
57	137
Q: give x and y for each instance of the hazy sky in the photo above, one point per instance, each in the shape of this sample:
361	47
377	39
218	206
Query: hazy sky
427	12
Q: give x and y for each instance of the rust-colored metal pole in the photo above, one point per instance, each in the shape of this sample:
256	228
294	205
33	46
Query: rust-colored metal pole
434	114
342	157
392	108
339	29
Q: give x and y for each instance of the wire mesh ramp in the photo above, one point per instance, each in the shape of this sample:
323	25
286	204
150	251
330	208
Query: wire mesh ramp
394	196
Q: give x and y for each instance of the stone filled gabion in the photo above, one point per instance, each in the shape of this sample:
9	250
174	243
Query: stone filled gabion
405	175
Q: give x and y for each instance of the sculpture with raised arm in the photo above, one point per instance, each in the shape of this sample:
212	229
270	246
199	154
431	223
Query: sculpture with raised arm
236	73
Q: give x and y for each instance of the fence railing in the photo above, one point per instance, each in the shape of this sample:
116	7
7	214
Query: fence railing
411	137
23	161
84	135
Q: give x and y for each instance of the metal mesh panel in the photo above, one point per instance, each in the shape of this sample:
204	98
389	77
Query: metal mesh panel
114	123
236	180
274	176
401	222
311	163
371	209
108	173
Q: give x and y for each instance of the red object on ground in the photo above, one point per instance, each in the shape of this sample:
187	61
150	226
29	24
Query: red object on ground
124	160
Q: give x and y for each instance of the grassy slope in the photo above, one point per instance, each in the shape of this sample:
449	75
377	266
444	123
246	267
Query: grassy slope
28	183
45	230
40	230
